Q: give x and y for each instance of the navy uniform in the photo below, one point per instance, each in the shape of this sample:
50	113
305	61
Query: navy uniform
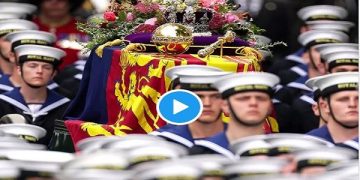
175	133
299	93
334	55
237	83
328	85
309	15
54	105
192	78
289	61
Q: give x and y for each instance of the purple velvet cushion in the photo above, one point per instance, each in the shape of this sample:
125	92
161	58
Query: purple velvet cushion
198	40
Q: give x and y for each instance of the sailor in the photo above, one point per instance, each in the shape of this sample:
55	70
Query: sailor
340	94
198	80
7	26
39	105
342	61
309	14
247	99
21	38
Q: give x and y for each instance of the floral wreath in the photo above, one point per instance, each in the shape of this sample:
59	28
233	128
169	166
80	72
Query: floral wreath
125	17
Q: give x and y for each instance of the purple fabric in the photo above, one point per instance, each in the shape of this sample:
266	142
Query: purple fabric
198	40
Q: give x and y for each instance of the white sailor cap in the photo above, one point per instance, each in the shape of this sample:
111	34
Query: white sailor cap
169	170
28	132
39	53
30	37
248	81
8	170
314	37
12	118
338	166
91	144
343	26
311	84
191	69
36	163
254	166
103	159
212	165
335	82
322	156
251	146
10	138
290	142
291	176
24	8
341	58
322	12
94	174
17	145
11	25
343	170
335	47
199	80
132	141
153	152
6	16
172	72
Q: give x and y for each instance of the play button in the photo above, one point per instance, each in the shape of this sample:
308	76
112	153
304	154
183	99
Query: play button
179	107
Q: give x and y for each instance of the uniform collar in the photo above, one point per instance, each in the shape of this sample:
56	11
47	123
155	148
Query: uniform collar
53	100
322	132
180	134
300	69
300	84
218	143
297	56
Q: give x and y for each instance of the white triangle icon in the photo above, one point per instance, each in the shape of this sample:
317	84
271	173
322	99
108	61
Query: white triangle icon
178	106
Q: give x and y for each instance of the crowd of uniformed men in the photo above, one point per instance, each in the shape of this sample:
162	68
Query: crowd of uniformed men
313	92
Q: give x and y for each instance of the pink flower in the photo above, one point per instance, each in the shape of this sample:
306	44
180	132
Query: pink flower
109	16
151	21
231	18
211	3
216	22
129	17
